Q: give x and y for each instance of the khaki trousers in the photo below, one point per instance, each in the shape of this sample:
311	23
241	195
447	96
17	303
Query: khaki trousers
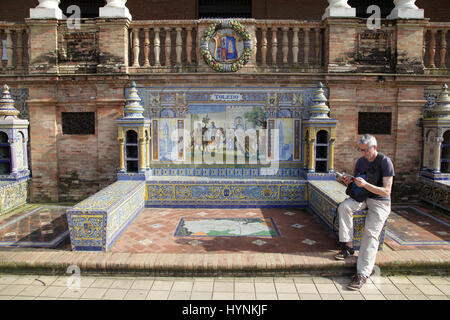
378	212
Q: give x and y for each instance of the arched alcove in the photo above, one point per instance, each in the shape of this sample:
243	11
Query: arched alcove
445	152
322	146
131	151
5	154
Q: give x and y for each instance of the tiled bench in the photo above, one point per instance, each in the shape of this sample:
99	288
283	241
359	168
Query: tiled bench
323	200
215	192
12	194
96	222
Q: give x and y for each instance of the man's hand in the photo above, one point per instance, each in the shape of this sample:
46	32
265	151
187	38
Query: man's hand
360	182
347	179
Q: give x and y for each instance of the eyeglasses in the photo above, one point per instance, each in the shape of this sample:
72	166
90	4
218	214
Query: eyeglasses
365	150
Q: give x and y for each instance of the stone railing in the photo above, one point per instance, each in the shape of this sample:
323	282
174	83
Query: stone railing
289	45
163	45
13	48
174	46
436	48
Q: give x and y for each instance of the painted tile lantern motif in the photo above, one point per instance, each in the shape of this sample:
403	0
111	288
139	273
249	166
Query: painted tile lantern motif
13	140
134	139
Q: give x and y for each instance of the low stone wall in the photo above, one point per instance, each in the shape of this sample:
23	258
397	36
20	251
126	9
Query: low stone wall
204	192
12	194
323	200
96	222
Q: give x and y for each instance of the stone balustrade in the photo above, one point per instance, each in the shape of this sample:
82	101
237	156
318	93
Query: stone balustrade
436	48
169	45
289	44
13	48
175	45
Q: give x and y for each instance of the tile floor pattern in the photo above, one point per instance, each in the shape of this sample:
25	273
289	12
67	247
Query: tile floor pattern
21	287
154	231
413	225
32	224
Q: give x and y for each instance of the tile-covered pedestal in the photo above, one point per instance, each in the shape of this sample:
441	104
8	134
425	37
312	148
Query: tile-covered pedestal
96	222
14	173
435	169
12	194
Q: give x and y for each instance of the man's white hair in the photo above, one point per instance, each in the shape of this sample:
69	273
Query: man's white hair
368	139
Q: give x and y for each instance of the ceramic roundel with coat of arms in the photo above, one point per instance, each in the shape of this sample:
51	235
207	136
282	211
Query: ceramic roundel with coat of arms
226	46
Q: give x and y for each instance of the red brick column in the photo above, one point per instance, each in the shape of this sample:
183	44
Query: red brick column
44	158
409	35
108	111
340	44
113	45
43	45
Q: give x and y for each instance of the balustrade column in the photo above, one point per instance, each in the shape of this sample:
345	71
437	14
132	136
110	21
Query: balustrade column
9	49
274	45
167	47
306	47
157	49
1	50
147	47
19	48
317	46
432	48
179	45
135	33
285	45
443	51
295	46
263	46
197	52
189	45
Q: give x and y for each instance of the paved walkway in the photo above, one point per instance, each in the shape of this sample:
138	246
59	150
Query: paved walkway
221	288
232	263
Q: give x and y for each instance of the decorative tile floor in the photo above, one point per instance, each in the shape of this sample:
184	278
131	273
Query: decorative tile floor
412	227
35	226
299	232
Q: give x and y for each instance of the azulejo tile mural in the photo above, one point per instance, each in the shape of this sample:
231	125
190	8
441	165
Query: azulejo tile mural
229	124
12	194
226	192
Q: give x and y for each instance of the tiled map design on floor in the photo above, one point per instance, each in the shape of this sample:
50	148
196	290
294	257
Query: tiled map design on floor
35	226
411	227
227	227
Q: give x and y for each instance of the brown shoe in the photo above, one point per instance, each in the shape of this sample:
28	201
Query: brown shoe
344	253
357	282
